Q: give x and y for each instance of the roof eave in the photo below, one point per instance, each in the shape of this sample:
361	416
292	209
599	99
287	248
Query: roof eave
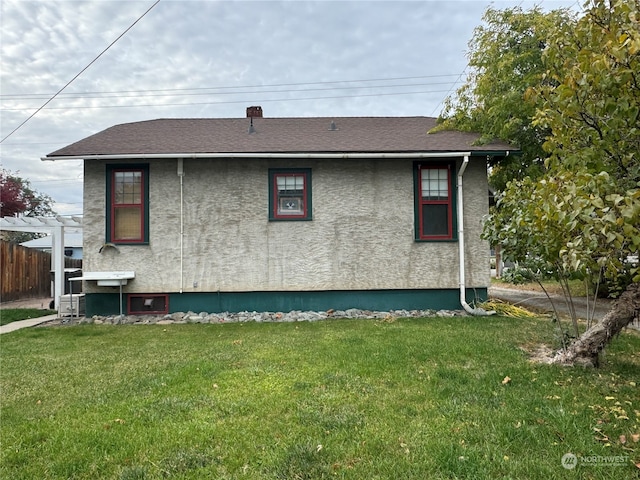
281	155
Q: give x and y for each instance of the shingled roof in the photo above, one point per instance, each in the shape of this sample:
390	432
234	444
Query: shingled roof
275	135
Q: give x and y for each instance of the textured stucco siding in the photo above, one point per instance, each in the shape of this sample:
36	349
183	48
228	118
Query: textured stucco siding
476	208
361	236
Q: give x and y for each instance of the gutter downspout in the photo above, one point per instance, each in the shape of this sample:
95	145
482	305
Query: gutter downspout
463	299
181	176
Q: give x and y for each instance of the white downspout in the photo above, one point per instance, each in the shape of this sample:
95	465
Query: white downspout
463	297
181	176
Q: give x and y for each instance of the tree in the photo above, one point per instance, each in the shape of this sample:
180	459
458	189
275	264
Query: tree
592	106
18	198
583	217
573	224
591	102
506	58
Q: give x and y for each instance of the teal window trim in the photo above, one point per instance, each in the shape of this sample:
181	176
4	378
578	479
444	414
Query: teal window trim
452	235
302	201
110	169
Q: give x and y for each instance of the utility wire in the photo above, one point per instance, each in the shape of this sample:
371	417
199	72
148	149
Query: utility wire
145	94
80	73
25	96
244	93
449	92
264	100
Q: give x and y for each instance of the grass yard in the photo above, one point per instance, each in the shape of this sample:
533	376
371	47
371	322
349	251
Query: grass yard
353	399
8	315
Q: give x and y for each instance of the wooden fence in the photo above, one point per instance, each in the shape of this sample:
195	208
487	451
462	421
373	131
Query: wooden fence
26	272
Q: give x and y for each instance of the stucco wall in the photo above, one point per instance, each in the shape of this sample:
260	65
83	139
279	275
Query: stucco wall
361	236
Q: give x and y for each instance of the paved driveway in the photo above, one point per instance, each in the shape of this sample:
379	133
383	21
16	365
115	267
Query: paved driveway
538	302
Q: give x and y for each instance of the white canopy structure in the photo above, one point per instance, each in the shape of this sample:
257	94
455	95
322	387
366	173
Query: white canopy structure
54	226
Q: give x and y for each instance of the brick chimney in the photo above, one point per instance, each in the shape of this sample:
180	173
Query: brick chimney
254	112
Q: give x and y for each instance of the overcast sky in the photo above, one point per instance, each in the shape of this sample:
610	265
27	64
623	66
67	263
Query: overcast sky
211	58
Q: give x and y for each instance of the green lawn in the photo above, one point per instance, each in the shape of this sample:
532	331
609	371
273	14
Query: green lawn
8	315
355	399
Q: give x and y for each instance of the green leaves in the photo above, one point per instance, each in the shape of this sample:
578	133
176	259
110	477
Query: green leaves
583	216
593	111
573	222
497	99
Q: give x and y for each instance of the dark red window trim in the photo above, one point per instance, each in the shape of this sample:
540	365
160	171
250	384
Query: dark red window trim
275	201
146	312
140	206
448	202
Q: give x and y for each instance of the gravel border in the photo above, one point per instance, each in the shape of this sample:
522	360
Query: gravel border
257	317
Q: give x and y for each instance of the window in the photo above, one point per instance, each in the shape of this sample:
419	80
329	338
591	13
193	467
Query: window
290	194
128	204
434	202
146	304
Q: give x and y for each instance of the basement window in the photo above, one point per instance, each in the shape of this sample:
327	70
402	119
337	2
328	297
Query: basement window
147	304
290	194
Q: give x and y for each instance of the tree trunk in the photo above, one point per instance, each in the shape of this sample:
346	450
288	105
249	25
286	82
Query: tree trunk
586	349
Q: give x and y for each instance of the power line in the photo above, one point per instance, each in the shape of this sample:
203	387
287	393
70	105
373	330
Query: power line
192	94
59	181
245	100
80	73
449	92
228	87
404	85
34	143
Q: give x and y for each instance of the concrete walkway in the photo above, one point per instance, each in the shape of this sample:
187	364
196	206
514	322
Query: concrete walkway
36	303
30	322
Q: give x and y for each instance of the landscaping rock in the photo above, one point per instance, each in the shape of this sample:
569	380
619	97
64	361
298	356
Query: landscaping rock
178	318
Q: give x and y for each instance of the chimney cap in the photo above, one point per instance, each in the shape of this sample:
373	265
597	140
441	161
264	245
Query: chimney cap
254	111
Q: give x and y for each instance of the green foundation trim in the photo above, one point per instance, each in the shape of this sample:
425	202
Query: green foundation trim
103	304
213	302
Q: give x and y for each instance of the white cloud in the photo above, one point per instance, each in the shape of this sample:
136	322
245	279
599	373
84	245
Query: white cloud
235	47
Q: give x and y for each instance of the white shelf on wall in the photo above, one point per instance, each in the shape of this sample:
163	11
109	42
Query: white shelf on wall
109	279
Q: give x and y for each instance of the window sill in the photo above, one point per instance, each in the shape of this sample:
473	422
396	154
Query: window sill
118	244
436	240
290	219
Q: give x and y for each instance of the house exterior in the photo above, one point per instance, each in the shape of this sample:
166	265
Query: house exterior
281	214
72	244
